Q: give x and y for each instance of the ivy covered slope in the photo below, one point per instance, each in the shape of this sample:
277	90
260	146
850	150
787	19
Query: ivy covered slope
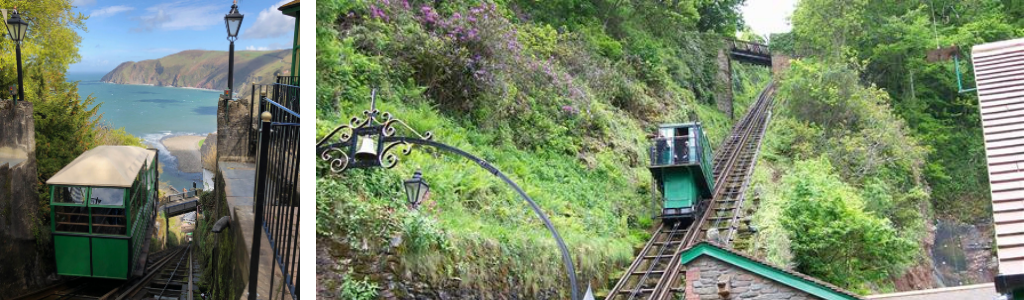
871	145
557	94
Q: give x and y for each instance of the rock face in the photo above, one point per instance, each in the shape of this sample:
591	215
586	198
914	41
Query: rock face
203	69
24	266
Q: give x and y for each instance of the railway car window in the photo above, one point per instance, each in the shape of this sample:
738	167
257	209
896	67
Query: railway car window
68	194
107	220
107	196
71	219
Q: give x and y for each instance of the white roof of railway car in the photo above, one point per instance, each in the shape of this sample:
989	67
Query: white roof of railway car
111	166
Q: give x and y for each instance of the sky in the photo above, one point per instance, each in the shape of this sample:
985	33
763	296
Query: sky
130	30
768	16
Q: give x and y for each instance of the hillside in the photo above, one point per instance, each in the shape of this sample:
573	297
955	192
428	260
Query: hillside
558	97
202	69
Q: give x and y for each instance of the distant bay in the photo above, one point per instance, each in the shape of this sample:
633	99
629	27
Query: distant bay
154	113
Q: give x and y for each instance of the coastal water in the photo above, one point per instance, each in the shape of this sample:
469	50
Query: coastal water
154	113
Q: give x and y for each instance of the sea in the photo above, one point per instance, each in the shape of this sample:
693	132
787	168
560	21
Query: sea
154	113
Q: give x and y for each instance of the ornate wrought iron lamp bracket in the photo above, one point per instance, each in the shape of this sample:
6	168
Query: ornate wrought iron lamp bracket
343	143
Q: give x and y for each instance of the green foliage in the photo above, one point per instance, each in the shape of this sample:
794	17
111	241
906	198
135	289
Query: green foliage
357	289
845	198
890	40
832	236
557	94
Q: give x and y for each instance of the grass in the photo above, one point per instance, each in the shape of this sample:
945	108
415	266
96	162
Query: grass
201	142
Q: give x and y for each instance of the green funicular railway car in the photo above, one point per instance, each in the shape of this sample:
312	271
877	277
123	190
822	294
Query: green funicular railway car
681	165
102	207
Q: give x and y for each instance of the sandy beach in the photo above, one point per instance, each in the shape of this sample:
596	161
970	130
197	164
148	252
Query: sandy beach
186	149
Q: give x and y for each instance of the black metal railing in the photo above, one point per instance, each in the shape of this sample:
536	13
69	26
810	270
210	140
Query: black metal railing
285	93
276	201
673	151
289	80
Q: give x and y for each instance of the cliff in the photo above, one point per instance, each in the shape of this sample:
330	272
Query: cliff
203	69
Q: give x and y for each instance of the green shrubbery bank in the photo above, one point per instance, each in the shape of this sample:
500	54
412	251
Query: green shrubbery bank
559	94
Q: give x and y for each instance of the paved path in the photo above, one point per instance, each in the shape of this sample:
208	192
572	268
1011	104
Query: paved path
239	180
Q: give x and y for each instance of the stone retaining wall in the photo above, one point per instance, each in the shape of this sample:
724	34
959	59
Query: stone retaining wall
24	265
704	274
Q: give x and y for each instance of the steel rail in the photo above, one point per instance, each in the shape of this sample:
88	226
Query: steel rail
667	285
153	270
171	277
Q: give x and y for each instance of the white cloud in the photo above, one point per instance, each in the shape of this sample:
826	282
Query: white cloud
110	11
83	2
180	15
271	23
272	46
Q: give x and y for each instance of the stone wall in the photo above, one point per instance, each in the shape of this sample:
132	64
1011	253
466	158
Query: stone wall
780	63
704	274
24	265
723	97
233	123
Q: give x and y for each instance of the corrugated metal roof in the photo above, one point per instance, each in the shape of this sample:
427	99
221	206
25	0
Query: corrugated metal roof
984	291
999	73
113	166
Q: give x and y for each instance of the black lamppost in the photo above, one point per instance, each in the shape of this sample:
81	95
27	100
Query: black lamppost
355	148
233	20
16	28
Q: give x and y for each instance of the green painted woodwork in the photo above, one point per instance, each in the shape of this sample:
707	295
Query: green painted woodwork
110	258
763	270
105	255
72	254
680	190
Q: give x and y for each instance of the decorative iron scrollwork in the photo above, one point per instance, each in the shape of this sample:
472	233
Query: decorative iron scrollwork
335	149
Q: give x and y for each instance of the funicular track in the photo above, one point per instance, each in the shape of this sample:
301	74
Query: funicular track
171	279
655	273
102	289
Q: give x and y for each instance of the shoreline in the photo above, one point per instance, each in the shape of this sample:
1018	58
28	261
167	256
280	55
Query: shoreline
167	86
185	150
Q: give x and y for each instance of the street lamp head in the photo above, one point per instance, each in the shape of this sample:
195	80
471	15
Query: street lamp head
416	189
17	27
233	20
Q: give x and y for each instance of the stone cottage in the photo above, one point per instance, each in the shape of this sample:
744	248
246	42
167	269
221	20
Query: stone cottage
715	272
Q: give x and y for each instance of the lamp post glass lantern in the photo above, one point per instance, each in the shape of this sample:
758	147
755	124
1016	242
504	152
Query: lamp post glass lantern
416	189
17	28
233	21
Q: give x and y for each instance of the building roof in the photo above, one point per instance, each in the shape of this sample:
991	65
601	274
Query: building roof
984	291
288	7
789	278
111	166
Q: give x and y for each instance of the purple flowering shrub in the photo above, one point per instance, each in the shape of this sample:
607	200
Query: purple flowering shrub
472	62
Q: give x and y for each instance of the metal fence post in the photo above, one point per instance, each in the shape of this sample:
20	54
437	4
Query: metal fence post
258	202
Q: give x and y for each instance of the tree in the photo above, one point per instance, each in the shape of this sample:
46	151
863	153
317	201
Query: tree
832	236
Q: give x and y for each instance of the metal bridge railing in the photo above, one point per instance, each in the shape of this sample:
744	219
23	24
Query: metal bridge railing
276	201
180	196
